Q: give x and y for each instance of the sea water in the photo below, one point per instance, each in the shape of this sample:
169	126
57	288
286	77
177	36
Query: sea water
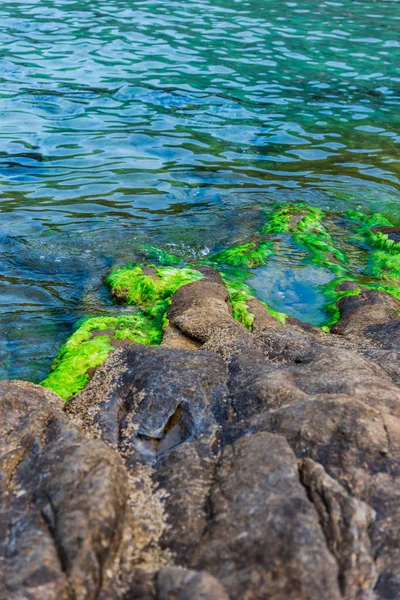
125	122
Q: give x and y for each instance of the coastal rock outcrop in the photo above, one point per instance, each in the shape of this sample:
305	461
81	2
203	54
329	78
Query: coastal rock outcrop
221	464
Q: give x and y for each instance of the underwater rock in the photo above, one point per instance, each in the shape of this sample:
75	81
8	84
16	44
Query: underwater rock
393	233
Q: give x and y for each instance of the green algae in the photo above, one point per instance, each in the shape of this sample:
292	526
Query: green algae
131	285
291	217
250	255
149	288
384	261
305	224
69	374
150	295
159	255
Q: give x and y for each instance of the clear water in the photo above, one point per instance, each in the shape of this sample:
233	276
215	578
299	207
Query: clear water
124	121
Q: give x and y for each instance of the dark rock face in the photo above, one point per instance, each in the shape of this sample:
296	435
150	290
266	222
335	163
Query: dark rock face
365	315
261	465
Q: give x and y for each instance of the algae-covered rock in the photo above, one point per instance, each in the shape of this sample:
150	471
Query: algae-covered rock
211	447
262	460
147	290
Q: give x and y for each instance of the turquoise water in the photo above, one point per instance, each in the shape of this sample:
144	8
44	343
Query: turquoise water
178	123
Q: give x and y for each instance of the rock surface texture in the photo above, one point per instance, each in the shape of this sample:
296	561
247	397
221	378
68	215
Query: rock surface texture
220	465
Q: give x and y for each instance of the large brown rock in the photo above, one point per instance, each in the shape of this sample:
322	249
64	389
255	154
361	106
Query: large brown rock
62	503
263	539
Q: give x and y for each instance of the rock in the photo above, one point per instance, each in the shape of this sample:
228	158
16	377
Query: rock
196	309
173	338
393	233
63	502
255	465
345	522
369	310
263	539
158	407
262	317
145	401
181	584
185	476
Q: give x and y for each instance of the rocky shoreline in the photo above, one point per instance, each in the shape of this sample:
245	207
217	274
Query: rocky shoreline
222	463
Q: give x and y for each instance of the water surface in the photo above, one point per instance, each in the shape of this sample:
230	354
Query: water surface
178	123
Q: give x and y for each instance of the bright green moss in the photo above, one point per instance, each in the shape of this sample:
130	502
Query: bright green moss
150	289
293	217
152	298
384	261
239	293
249	255
69	375
368	221
305	224
133	287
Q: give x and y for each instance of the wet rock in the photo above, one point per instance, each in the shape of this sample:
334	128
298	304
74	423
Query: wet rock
63	501
347	285
393	233
369	310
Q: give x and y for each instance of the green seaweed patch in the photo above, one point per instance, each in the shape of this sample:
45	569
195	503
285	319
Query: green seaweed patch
384	262
82	352
305	224
132	286
69	374
392	290
250	255
152	297
293	217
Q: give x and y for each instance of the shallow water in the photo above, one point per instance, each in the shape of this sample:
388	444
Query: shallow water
124	122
